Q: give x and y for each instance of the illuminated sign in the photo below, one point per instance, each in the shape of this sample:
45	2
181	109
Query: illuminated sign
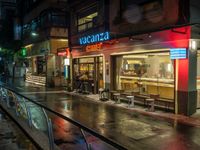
93	47
66	62
23	52
178	53
62	53
99	37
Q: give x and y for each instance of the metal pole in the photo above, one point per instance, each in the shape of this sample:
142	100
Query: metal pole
49	130
84	137
28	112
46	59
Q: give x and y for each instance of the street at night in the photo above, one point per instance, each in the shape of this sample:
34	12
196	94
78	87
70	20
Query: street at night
125	126
100	74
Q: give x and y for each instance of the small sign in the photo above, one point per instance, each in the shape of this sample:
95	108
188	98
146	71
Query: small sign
178	53
66	62
93	47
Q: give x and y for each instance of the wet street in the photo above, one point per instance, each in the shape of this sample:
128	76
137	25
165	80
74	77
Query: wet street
130	129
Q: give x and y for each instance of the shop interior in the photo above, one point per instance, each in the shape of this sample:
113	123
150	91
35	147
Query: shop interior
36	72
146	73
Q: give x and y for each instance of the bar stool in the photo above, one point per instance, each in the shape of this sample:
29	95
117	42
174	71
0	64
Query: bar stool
117	98
130	100
150	104
101	93
112	94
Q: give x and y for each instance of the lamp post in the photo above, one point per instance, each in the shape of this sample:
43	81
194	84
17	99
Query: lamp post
46	61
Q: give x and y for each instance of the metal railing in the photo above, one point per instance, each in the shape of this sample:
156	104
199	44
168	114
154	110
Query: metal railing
26	108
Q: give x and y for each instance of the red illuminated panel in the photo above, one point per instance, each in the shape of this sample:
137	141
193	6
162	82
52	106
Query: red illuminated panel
183	74
174	38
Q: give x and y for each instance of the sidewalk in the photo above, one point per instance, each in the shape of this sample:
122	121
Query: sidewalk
193	120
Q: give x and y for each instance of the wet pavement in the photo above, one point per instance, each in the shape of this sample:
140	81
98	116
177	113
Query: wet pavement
11	137
128	128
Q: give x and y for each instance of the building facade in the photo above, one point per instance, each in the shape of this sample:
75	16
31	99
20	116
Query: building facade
133	45
44	33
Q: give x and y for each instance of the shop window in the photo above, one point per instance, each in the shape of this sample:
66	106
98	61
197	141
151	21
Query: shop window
150	73
86	22
45	20
87	17
59	20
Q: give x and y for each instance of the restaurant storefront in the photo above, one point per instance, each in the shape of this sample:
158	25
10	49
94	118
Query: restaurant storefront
162	64
88	58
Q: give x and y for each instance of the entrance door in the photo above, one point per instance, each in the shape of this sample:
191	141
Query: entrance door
94	67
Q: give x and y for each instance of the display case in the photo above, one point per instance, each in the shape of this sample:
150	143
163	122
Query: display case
162	87
148	73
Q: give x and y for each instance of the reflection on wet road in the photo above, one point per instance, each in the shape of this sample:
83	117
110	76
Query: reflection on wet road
130	129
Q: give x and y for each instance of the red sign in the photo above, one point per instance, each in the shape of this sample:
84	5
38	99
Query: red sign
63	52
94	47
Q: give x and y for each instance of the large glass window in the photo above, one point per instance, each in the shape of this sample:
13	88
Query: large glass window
149	73
86	22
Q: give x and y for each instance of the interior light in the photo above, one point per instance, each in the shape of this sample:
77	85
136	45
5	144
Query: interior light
169	67
30	45
135	56
194	45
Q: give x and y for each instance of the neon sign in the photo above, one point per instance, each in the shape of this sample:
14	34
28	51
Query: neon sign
178	53
94	47
99	37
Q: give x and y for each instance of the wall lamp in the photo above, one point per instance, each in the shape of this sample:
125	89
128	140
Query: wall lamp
34	34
